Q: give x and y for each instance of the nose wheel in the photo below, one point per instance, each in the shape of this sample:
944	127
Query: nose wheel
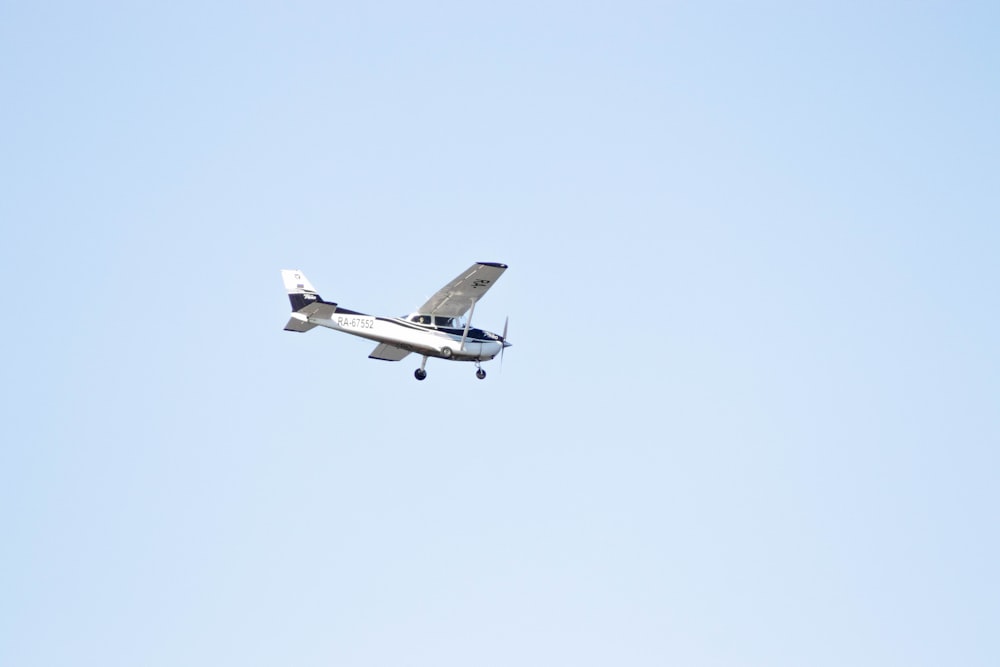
480	373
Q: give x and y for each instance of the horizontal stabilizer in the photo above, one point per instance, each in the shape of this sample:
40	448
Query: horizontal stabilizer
295	324
302	319
318	310
388	353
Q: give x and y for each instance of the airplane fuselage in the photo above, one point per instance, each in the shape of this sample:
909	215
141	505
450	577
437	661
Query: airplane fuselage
424	339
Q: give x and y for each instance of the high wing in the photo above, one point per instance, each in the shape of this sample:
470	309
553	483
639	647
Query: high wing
388	353
457	297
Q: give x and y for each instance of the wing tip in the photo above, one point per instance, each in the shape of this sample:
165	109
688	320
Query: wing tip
495	265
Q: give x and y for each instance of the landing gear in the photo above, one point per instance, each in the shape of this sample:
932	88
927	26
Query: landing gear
420	373
480	373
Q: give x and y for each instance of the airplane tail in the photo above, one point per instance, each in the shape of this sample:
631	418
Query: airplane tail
306	302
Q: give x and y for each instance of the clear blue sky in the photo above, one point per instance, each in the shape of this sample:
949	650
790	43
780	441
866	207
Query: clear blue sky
751	413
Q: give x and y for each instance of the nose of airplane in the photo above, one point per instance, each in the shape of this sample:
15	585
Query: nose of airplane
506	344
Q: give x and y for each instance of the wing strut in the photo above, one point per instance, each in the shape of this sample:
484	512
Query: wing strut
465	334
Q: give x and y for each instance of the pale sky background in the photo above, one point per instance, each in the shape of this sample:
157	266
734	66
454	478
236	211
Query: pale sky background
751	412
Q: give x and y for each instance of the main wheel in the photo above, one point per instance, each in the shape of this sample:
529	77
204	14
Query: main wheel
420	374
480	373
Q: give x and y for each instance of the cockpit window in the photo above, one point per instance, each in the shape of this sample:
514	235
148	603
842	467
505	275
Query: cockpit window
437	321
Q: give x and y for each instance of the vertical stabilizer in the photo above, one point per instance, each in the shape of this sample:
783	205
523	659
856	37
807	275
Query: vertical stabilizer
300	291
307	305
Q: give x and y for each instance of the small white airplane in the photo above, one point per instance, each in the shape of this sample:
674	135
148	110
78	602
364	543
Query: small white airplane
437	329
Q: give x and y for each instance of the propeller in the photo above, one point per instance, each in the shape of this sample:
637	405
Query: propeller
503	341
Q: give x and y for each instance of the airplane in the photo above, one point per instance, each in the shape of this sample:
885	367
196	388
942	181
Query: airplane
437	329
